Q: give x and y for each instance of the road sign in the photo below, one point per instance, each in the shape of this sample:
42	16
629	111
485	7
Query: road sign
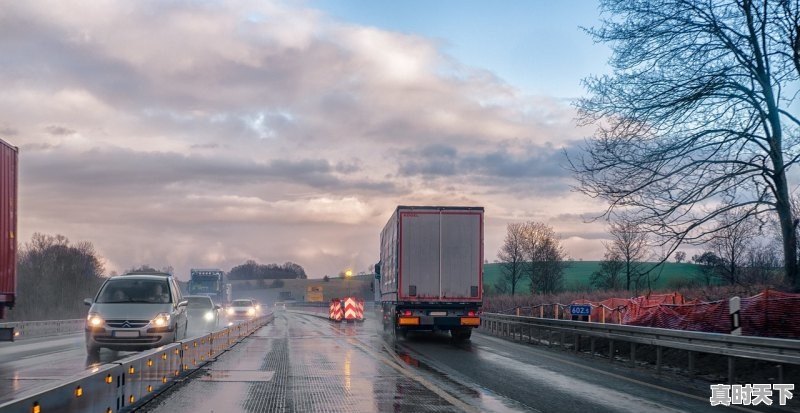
314	294
580	309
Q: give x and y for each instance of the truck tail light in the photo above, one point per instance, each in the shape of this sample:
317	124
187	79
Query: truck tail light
407	313
408	321
470	314
470	321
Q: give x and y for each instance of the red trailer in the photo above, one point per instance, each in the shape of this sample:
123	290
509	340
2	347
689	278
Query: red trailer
8	225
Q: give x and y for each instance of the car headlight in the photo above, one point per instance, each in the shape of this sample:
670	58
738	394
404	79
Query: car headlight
209	316
94	320
161	320
251	311
230	310
258	307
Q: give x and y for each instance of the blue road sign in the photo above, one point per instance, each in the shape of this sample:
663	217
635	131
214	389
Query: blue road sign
580	309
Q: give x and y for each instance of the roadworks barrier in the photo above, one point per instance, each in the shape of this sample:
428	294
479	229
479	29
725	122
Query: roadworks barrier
126	384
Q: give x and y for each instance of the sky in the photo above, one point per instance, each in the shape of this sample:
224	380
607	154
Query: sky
208	133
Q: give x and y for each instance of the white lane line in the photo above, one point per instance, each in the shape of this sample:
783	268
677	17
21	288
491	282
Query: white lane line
400	367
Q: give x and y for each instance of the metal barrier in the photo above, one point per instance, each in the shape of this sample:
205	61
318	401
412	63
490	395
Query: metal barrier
549	331
125	384
32	329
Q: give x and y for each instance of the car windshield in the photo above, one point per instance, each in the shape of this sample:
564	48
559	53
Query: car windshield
132	290
200	302
242	303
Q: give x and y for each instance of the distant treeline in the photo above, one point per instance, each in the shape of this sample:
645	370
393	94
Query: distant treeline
252	270
53	278
55	275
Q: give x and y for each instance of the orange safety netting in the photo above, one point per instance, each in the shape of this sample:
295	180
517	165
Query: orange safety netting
768	314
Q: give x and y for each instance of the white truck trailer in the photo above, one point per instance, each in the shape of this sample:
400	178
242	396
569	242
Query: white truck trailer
431	270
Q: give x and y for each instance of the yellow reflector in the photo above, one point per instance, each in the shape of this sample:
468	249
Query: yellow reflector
131	370
109	410
78	391
149	389
36	408
149	363
470	321
164	379
109	379
408	321
164	356
131	399
195	343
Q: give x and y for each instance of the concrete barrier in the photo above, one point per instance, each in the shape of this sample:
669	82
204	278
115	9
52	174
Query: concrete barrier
21	330
123	385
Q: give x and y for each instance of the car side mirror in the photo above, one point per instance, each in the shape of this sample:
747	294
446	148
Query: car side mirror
88	301
183	303
378	269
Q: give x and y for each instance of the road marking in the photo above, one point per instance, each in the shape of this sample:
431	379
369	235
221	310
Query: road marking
400	367
646	384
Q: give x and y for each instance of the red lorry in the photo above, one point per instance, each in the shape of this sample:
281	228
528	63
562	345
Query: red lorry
8	225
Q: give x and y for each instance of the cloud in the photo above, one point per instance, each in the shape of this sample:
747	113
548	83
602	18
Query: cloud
206	133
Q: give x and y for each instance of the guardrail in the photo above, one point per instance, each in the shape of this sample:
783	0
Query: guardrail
568	333
126	384
20	330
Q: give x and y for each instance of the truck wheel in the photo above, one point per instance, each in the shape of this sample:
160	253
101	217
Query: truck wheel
461	334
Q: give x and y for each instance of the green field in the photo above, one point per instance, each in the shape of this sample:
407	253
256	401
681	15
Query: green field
577	275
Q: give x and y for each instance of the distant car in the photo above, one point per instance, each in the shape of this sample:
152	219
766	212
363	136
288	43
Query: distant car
242	309
135	311
202	312
280	305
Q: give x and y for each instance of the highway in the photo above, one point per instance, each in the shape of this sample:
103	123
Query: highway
304	363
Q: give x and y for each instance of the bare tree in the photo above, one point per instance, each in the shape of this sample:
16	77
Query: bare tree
609	275
512	258
544	258
54	278
696	119
762	264
629	244
680	256
731	241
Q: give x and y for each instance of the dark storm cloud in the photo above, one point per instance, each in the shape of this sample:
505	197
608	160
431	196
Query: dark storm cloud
120	170
537	161
59	130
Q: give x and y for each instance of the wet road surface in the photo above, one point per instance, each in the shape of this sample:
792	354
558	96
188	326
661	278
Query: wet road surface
302	363
27	364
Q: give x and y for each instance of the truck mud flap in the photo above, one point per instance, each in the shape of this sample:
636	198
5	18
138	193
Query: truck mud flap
6	333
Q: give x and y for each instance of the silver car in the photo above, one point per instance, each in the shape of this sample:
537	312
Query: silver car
203	313
135	311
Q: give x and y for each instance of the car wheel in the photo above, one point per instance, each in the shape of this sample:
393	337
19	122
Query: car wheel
93	352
